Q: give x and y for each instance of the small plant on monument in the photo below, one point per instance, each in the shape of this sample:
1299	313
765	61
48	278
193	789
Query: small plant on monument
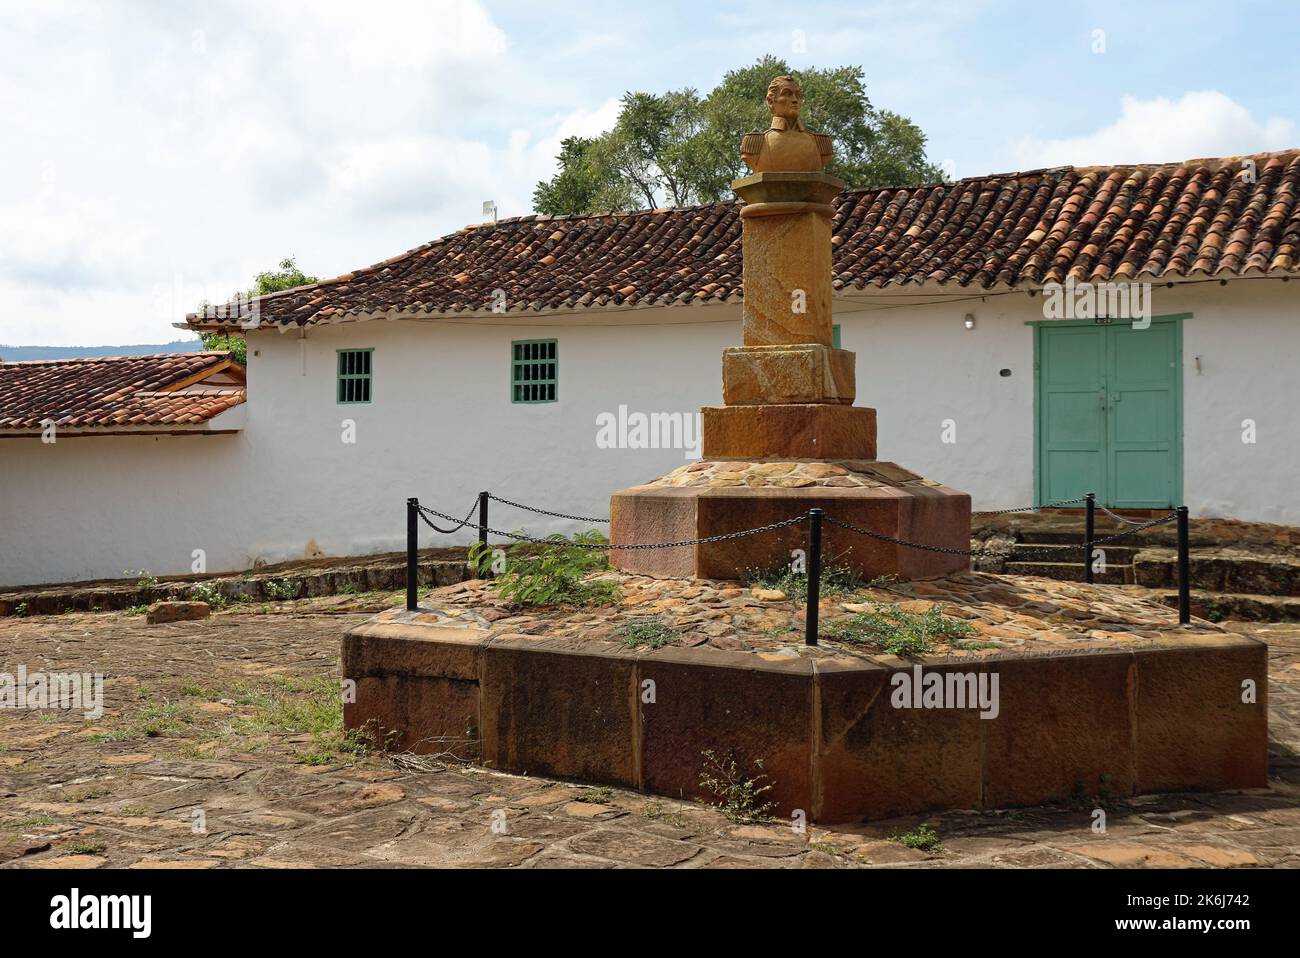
896	631
20	609
735	794
647	634
553	572
837	578
137	610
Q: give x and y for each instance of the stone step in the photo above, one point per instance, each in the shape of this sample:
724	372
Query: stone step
1041	552
1074	536
1072	572
1218	606
371	577
1238	574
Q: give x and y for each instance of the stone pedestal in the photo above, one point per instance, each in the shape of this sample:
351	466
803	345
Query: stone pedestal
805	373
789	438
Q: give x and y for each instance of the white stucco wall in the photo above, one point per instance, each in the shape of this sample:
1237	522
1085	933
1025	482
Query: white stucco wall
94	507
441	426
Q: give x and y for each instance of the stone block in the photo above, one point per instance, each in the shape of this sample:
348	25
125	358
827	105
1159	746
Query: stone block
1193	729
552	710
927	514
787	279
421	714
1065	723
641	514
170	611
807	373
412	648
733	704
878	761
789	431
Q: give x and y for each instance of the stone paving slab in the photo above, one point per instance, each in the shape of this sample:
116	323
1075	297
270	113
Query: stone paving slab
228	717
1006	612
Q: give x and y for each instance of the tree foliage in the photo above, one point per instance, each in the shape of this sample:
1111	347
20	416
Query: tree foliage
680	148
287	276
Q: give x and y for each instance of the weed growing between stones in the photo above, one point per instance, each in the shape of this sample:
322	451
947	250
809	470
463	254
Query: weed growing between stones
837	579
657	811
137	610
312	707
85	847
734	794
279	591
922	837
209	593
550	573
1102	796
601	795
893	630
647	635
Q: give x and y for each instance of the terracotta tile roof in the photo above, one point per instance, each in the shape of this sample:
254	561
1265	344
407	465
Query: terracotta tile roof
1201	218
118	392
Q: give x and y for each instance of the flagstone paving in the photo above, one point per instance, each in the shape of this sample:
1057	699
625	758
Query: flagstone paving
1004	612
220	747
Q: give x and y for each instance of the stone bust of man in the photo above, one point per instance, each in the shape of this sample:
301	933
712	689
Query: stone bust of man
786	147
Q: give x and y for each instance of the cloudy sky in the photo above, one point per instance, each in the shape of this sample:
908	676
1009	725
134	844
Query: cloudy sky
159	153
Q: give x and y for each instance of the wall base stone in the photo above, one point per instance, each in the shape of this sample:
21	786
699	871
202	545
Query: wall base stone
1168	715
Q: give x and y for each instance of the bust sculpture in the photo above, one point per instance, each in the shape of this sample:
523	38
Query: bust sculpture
786	146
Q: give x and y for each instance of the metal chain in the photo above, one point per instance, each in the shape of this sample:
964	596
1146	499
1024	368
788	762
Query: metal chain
969	552
1127	522
456	528
899	542
1045	505
520	537
547	512
1076	546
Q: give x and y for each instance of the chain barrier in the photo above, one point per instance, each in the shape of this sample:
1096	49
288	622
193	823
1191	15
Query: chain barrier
546	512
522	537
1053	551
814	517
1045	505
456	528
1057	551
1123	519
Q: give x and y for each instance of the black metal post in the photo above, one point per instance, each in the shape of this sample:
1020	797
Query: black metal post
412	554
1184	569
814	574
482	518
1089	532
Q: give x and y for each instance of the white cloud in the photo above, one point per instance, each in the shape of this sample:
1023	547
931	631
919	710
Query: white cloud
157	157
1199	124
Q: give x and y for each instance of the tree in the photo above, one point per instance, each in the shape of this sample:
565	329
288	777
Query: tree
679	148
287	276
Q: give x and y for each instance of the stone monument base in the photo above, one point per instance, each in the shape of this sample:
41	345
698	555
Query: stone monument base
717	496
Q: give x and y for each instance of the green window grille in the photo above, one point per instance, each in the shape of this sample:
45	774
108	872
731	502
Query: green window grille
533	367
835	336
355	370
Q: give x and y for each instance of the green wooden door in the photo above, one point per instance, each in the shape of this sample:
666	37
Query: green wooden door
1109	414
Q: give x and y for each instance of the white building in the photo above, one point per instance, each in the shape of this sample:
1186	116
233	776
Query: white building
411	377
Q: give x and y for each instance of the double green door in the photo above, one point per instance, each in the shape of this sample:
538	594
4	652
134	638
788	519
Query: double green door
1109	416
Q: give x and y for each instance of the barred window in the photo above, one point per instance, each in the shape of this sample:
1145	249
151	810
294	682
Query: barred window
355	370
534	364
